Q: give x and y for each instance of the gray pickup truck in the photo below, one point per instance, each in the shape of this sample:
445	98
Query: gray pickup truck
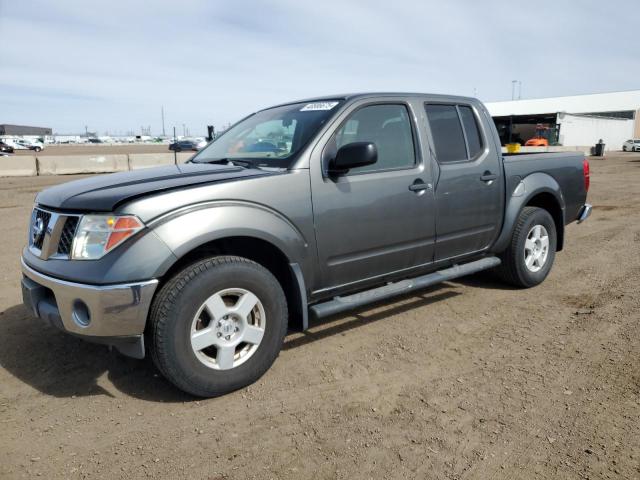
298	211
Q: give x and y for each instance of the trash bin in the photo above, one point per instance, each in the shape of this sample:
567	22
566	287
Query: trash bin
598	150
513	147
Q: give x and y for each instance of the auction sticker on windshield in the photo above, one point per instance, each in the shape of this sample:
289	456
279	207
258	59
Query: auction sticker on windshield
318	106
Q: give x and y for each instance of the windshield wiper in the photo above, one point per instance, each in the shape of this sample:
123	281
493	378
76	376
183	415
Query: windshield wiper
232	162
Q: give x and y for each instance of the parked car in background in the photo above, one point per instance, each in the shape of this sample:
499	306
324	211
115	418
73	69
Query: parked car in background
631	146
5	148
186	145
34	145
25	144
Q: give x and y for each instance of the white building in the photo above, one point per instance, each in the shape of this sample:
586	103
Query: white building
578	120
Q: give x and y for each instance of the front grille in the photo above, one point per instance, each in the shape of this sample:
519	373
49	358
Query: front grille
67	234
51	233
45	217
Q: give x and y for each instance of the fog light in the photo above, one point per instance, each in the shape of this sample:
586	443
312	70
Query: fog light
81	314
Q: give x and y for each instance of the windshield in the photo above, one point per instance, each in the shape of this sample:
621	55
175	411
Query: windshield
271	137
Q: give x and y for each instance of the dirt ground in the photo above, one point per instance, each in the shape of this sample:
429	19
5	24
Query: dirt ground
467	380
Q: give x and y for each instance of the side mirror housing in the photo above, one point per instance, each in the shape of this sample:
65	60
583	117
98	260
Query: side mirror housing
352	155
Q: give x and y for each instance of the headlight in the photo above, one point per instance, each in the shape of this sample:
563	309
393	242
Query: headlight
98	234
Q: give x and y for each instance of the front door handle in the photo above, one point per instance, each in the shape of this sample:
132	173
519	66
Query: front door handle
488	176
418	186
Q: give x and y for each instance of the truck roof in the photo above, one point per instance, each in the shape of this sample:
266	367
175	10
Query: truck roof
353	96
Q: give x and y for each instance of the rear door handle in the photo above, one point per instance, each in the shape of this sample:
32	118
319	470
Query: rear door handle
488	176
419	186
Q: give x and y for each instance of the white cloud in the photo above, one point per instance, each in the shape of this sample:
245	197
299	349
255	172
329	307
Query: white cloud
70	63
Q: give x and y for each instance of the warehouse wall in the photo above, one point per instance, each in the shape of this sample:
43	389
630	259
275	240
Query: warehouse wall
581	130
598	102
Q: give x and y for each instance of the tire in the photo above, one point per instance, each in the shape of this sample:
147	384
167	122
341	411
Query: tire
199	305
520	267
37	149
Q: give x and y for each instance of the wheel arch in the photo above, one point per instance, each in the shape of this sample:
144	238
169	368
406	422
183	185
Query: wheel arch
264	253
246	229
549	202
536	190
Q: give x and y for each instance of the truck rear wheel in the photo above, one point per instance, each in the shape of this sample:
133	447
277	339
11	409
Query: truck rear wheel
218	325
529	258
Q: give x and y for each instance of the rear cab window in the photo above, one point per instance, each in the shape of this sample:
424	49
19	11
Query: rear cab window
455	132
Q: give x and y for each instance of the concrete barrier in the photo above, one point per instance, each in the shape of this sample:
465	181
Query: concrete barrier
25	166
69	164
184	156
18	166
557	148
581	149
138	161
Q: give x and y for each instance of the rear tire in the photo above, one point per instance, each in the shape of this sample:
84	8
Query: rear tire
217	326
529	258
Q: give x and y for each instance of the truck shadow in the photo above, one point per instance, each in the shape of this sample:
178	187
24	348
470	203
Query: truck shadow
344	322
487	280
61	365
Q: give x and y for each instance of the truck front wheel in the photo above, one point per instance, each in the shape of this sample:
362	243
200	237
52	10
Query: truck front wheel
217	325
529	258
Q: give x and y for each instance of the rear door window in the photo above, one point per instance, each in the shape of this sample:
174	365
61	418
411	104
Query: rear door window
455	131
470	124
446	130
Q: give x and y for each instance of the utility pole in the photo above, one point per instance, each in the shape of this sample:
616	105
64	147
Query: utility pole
184	130
175	151
519	90
86	131
513	89
162	113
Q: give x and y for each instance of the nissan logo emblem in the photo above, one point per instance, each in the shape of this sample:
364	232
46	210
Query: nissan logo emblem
38	229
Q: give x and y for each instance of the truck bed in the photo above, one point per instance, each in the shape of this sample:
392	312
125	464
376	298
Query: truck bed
565	168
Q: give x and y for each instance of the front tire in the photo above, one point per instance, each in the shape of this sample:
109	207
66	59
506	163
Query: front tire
529	258
218	325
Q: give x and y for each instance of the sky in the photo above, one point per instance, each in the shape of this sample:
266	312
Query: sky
112	66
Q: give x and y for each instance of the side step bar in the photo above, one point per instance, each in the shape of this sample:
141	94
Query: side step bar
349	302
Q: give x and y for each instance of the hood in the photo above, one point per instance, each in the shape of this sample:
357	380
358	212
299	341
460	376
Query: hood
103	193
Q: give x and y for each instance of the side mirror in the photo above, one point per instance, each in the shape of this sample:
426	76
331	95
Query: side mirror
352	155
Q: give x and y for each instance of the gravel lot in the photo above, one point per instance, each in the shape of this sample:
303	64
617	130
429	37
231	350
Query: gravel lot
469	380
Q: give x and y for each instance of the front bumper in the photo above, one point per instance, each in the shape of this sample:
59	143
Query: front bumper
111	314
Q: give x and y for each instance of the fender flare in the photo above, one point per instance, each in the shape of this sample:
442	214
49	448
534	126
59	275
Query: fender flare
186	229
519	196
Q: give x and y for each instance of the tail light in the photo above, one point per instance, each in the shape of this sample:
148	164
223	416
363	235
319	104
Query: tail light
585	172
